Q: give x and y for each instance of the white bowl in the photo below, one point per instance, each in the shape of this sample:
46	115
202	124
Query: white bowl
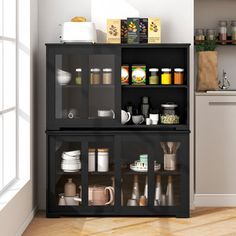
72	153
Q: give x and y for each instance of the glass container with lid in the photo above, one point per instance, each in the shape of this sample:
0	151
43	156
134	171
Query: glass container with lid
211	34
166	76
107	76
199	34
169	114
78	78
178	76
153	76
95	77
223	31
233	31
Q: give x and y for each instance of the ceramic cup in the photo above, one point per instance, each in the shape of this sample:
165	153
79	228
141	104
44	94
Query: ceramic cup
137	119
148	121
132	202
70	201
125	117
154	118
63	77
106	113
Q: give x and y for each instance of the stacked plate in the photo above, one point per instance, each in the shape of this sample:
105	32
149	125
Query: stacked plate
71	161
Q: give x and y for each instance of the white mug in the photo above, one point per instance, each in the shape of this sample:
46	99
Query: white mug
125	117
106	113
154	116
148	121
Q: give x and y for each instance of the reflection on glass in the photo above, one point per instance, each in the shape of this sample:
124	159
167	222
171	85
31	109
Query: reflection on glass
69	95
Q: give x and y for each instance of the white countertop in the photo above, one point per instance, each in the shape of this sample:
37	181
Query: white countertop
217	93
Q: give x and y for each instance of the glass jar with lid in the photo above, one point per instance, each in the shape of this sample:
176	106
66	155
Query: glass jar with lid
233	31
78	78
107	76
95	77
166	76
153	76
199	34
211	34
223	31
178	76
169	114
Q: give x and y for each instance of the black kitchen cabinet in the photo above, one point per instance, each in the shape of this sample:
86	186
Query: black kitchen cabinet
74	101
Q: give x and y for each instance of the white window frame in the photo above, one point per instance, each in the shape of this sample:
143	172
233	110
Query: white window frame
17	180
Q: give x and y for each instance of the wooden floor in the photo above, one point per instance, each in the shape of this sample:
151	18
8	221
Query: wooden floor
203	221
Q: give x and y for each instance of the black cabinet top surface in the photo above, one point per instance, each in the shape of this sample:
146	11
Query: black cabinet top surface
143	45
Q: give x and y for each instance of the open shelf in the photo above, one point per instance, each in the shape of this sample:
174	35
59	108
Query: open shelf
153	86
218	42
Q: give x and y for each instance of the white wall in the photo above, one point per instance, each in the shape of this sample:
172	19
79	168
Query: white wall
17	214
177	26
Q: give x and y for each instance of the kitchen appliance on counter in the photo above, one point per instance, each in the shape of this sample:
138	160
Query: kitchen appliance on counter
77	32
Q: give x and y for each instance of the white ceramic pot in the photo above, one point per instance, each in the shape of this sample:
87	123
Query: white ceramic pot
106	113
125	117
63	77
103	160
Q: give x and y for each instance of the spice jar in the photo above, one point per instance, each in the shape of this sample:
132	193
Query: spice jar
78	78
103	160
107	76
153	76
210	34
178	76
199	34
233	31
166	76
169	113
95	76
223	31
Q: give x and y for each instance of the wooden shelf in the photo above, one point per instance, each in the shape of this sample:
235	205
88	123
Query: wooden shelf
218	42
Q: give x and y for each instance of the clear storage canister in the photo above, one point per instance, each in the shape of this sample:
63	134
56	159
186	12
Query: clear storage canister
95	77
211	34
107	76
103	160
169	113
166	76
223	31
233	31
153	76
78	78
199	34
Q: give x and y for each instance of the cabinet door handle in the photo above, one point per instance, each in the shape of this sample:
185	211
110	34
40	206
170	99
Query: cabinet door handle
222	103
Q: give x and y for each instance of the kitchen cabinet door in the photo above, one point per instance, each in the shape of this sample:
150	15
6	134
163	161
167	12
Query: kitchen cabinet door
215	144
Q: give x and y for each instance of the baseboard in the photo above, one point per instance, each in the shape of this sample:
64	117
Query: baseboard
215	200
26	222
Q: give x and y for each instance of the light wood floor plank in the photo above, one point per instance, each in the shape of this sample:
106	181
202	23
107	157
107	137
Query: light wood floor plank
203	222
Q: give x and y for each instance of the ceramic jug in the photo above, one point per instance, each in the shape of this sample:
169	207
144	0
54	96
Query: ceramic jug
99	195
69	188
125	117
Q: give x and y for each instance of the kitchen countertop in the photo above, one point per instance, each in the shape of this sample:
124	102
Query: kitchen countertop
217	93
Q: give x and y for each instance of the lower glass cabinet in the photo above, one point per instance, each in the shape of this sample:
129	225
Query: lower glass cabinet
109	173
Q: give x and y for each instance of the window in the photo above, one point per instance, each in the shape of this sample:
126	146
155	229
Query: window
14	90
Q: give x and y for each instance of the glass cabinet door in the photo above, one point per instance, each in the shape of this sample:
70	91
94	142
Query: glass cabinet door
85	82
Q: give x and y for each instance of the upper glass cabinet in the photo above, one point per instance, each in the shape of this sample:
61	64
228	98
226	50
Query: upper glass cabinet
83	83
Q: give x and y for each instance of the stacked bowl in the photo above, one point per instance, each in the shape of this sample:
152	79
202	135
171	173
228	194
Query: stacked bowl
71	161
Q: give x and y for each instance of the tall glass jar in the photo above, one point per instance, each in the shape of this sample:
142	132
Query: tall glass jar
233	31
107	76
95	76
223	31
78	78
